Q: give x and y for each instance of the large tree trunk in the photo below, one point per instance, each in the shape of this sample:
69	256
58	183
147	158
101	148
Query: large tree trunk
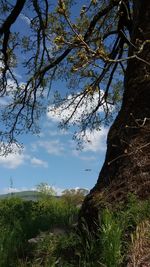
127	163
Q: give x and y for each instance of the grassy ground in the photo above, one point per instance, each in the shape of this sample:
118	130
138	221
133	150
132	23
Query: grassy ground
42	233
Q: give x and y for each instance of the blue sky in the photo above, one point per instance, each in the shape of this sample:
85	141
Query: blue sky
52	157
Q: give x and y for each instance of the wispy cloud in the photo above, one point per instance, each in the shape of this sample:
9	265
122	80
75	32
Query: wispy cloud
83	156
16	74
58	132
25	19
38	162
53	147
3	101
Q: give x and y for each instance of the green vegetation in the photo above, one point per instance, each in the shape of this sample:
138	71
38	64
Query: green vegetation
25	195
43	233
43	189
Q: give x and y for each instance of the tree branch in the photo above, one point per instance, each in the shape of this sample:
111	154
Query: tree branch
5	28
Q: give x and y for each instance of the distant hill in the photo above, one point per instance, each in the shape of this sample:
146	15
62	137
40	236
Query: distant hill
25	195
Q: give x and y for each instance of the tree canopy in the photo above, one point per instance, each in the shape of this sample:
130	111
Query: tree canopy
85	44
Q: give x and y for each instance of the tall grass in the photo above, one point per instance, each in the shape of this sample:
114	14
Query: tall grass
11	244
111	242
21	220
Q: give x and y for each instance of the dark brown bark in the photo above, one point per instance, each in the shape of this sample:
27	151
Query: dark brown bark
12	17
5	27
127	163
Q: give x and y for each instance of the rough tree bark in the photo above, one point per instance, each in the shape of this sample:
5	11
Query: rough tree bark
127	163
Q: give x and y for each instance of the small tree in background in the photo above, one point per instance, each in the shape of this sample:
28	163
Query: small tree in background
45	190
74	196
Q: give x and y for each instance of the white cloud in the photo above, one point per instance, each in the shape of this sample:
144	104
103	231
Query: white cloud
3	101
66	109
38	162
11	86
1	64
82	156
53	147
58	190
17	75
34	147
25	19
95	141
13	160
16	156
60	132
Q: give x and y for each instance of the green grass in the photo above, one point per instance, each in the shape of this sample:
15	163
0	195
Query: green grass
110	236
22	220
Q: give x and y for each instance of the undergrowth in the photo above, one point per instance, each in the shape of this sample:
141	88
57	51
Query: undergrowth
111	246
